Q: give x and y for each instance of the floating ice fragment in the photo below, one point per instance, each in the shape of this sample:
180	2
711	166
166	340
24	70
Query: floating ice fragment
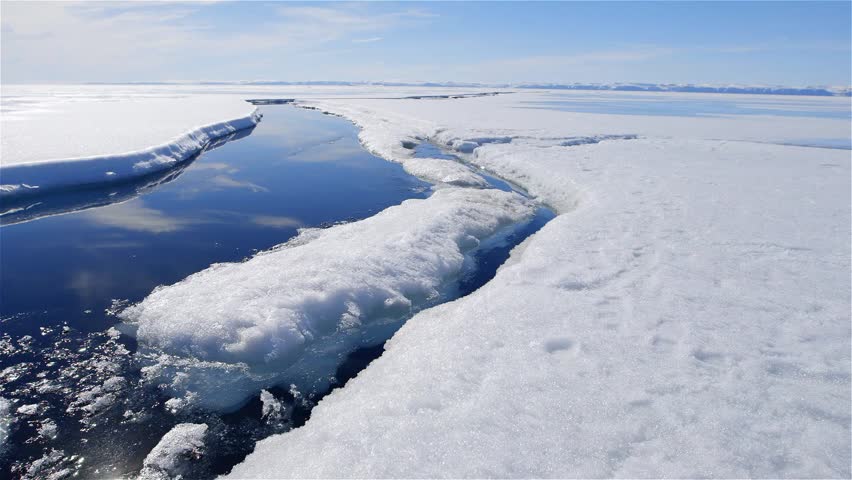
174	453
27	410
6	420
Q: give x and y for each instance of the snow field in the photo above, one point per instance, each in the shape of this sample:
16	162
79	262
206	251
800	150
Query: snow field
687	315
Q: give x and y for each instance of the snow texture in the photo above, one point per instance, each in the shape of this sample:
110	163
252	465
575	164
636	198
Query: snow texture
686	315
443	172
51	142
292	314
169	458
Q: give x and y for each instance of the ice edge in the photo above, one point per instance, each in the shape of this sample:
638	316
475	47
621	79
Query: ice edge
49	175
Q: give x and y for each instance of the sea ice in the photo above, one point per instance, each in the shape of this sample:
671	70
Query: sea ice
686	315
170	458
293	313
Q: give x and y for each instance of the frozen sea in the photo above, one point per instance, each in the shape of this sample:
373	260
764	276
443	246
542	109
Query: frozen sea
798	108
644	285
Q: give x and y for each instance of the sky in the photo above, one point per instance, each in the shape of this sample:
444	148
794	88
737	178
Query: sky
766	43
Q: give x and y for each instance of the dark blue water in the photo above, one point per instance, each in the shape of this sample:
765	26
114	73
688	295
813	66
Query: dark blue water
69	261
297	169
695	106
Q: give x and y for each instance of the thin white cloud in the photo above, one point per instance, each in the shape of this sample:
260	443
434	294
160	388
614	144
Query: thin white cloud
367	40
594	57
351	18
582	66
86	41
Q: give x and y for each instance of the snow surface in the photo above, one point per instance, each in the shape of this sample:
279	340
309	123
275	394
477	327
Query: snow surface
686	315
169	458
293	313
65	140
443	172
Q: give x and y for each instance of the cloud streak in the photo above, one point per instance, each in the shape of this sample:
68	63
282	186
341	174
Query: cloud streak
367	40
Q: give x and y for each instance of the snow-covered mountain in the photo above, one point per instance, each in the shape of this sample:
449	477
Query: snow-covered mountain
820	90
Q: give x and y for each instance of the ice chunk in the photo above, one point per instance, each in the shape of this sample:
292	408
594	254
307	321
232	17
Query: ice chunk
51	466
6	420
28	410
97	399
273	410
48	430
179	447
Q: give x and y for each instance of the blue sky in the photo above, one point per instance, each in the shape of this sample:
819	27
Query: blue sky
787	43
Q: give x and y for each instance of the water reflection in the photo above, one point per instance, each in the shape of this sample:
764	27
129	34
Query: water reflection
224	181
135	216
276	221
693	105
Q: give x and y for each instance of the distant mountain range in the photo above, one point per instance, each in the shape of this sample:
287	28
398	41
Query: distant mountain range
672	87
821	91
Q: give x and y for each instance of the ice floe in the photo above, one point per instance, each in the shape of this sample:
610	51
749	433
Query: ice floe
293	313
111	139
183	444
